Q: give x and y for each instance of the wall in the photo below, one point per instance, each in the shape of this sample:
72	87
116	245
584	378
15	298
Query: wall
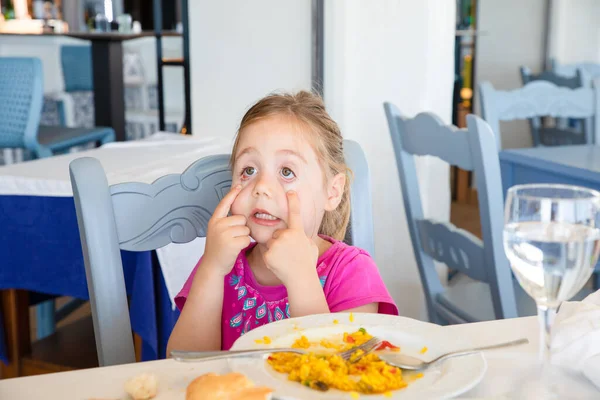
400	51
513	37
575	33
241	51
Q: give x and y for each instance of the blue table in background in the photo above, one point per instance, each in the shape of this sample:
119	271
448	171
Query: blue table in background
40	251
570	165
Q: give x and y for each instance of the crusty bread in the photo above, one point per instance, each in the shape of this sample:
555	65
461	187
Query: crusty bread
225	387
142	387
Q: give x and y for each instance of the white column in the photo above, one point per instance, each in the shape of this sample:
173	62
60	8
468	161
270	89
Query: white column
400	51
240	52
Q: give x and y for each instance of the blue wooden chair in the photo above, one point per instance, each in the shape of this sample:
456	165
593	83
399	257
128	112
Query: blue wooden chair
483	288
572	82
569	129
174	209
21	96
541	99
587	70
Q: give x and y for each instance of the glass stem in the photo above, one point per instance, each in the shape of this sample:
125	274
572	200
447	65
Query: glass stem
545	318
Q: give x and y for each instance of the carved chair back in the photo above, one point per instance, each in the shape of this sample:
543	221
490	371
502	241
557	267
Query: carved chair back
540	99
472	149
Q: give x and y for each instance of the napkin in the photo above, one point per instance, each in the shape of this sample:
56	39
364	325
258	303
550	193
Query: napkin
177	261
576	337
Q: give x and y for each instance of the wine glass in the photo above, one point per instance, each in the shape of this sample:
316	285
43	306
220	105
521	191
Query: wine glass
552	241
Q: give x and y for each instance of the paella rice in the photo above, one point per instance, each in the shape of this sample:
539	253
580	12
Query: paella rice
326	369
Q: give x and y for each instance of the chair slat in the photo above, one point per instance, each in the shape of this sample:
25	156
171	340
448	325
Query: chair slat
455	247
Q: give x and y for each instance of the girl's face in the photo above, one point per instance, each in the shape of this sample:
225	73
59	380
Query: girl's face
273	157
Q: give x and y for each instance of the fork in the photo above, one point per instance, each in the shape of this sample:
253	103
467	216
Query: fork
189	356
367	347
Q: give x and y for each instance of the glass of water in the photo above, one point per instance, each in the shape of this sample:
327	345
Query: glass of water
552	241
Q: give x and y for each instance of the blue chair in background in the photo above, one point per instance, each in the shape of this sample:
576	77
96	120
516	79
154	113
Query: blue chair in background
174	209
542	99
541	131
76	62
74	106
21	91
21	96
483	288
588	71
572	82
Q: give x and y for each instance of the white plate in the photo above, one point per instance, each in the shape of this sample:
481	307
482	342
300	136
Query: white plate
450	379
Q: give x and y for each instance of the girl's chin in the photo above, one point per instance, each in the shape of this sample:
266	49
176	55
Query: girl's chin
261	236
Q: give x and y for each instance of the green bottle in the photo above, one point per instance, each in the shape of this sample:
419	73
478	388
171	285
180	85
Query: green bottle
8	11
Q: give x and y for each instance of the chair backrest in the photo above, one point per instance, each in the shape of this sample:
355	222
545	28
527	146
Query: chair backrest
588	71
540	99
572	82
360	228
21	98
76	62
473	149
537	123
174	209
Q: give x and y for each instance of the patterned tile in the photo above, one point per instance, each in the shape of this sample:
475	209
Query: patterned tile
134	98
50	112
84	109
133	68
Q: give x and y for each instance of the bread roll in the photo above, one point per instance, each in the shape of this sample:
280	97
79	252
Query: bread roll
225	387
142	387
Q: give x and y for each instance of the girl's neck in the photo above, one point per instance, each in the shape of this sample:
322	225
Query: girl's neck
262	274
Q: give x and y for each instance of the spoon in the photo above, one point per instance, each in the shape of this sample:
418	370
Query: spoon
406	362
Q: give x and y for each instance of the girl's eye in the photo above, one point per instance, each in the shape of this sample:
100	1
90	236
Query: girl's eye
248	172
287	173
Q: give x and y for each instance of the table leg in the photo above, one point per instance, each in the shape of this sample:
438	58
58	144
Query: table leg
109	93
137	345
15	311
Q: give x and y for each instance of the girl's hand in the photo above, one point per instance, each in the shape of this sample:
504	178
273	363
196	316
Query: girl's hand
290	254
226	237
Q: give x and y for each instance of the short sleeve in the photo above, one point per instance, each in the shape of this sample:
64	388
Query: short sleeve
356	283
181	297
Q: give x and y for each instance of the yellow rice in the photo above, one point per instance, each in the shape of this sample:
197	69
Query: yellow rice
370	375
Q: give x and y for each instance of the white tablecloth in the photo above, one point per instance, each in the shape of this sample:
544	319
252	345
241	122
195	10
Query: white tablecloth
505	368
140	161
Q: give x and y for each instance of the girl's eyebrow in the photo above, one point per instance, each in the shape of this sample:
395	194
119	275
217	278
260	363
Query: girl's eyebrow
292	153
247	150
252	150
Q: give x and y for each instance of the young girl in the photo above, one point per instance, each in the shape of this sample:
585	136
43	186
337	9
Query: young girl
290	193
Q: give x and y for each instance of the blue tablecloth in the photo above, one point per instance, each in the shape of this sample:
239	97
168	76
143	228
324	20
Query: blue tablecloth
40	251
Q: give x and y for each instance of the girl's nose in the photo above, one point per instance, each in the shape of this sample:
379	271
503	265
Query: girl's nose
263	186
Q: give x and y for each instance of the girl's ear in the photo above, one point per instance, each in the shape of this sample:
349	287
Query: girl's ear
335	191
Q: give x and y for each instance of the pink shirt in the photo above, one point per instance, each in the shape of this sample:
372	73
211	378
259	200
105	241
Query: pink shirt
348	275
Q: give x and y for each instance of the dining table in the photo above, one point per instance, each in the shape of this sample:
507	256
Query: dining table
505	368
577	165
571	165
41	248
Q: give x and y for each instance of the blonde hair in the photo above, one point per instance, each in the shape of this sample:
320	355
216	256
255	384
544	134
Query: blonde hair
308	109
